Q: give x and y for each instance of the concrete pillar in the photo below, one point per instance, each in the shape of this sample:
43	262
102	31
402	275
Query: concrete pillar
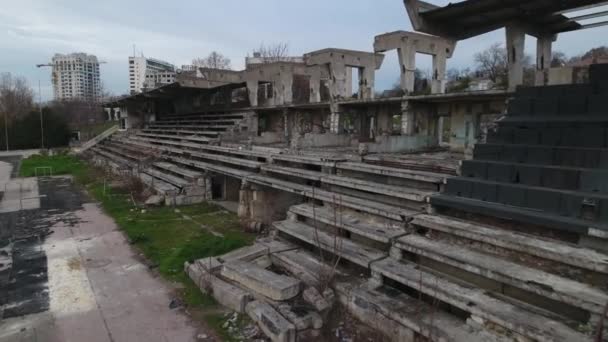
407	118
252	91
334	123
544	56
367	77
315	84
245	196
407	61
439	80
283	89
516	39
338	81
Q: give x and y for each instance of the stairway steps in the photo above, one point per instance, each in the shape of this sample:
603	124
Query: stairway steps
424	319
524	243
347	249
173	180
536	281
477	301
326	215
375	208
422	176
220	169
192	175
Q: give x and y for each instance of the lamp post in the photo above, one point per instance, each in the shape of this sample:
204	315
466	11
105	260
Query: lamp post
41	121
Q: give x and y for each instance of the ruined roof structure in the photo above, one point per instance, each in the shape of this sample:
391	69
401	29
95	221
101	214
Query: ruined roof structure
465	216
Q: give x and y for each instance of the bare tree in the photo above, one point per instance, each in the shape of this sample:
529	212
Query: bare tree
559	59
272	53
16	97
493	62
215	60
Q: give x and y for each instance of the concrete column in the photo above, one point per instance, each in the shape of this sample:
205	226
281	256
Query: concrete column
338	81
407	61
367	77
315	85
283	89
516	39
407	118
245	196
543	58
334	123
439	80
252	91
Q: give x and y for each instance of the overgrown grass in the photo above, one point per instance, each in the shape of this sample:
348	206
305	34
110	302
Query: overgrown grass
164	235
61	164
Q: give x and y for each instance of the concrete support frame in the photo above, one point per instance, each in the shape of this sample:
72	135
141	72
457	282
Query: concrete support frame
338	62
407	118
544	55
516	39
408	44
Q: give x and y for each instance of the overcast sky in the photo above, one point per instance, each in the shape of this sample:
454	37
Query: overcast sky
31	31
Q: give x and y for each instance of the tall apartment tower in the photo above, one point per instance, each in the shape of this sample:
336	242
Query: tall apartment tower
147	73
76	77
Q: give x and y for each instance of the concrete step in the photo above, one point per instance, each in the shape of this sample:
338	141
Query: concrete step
178	182
519	214
382	307
483	305
220	169
198	138
353	183
261	281
345	248
122	153
504	271
151	142
561	252
421	176
374	231
304	266
364	205
186	127
274	325
113	157
185	173
159	185
306	160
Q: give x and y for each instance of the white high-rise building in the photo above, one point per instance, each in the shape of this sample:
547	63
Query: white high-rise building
76	77
146	73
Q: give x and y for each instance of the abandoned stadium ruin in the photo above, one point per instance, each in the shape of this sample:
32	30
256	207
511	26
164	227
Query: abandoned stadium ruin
472	216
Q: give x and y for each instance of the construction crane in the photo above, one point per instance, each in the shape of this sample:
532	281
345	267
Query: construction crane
52	65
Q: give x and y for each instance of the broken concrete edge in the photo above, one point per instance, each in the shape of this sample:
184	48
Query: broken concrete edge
272	323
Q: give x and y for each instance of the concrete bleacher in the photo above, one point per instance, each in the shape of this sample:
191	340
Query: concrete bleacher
435	276
546	164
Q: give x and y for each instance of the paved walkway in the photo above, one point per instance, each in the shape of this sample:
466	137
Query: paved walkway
99	290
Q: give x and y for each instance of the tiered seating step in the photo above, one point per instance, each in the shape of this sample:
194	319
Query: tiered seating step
347	249
189	174
520	214
536	281
372	207
544	248
181	137
326	215
354	183
220	169
426	320
173	180
477	301
422	176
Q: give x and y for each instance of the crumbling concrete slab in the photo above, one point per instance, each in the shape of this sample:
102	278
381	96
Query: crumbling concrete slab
301	318
312	296
303	265
246	253
274	325
226	294
274	286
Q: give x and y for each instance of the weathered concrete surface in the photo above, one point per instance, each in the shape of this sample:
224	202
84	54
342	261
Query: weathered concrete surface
226	294
275	326
259	280
21	194
98	289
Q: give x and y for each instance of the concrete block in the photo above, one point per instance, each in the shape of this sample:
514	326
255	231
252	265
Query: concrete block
269	284
301	318
272	323
226	294
210	264
312	296
245	254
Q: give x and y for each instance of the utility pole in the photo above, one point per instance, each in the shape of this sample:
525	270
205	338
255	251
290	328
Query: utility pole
41	121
